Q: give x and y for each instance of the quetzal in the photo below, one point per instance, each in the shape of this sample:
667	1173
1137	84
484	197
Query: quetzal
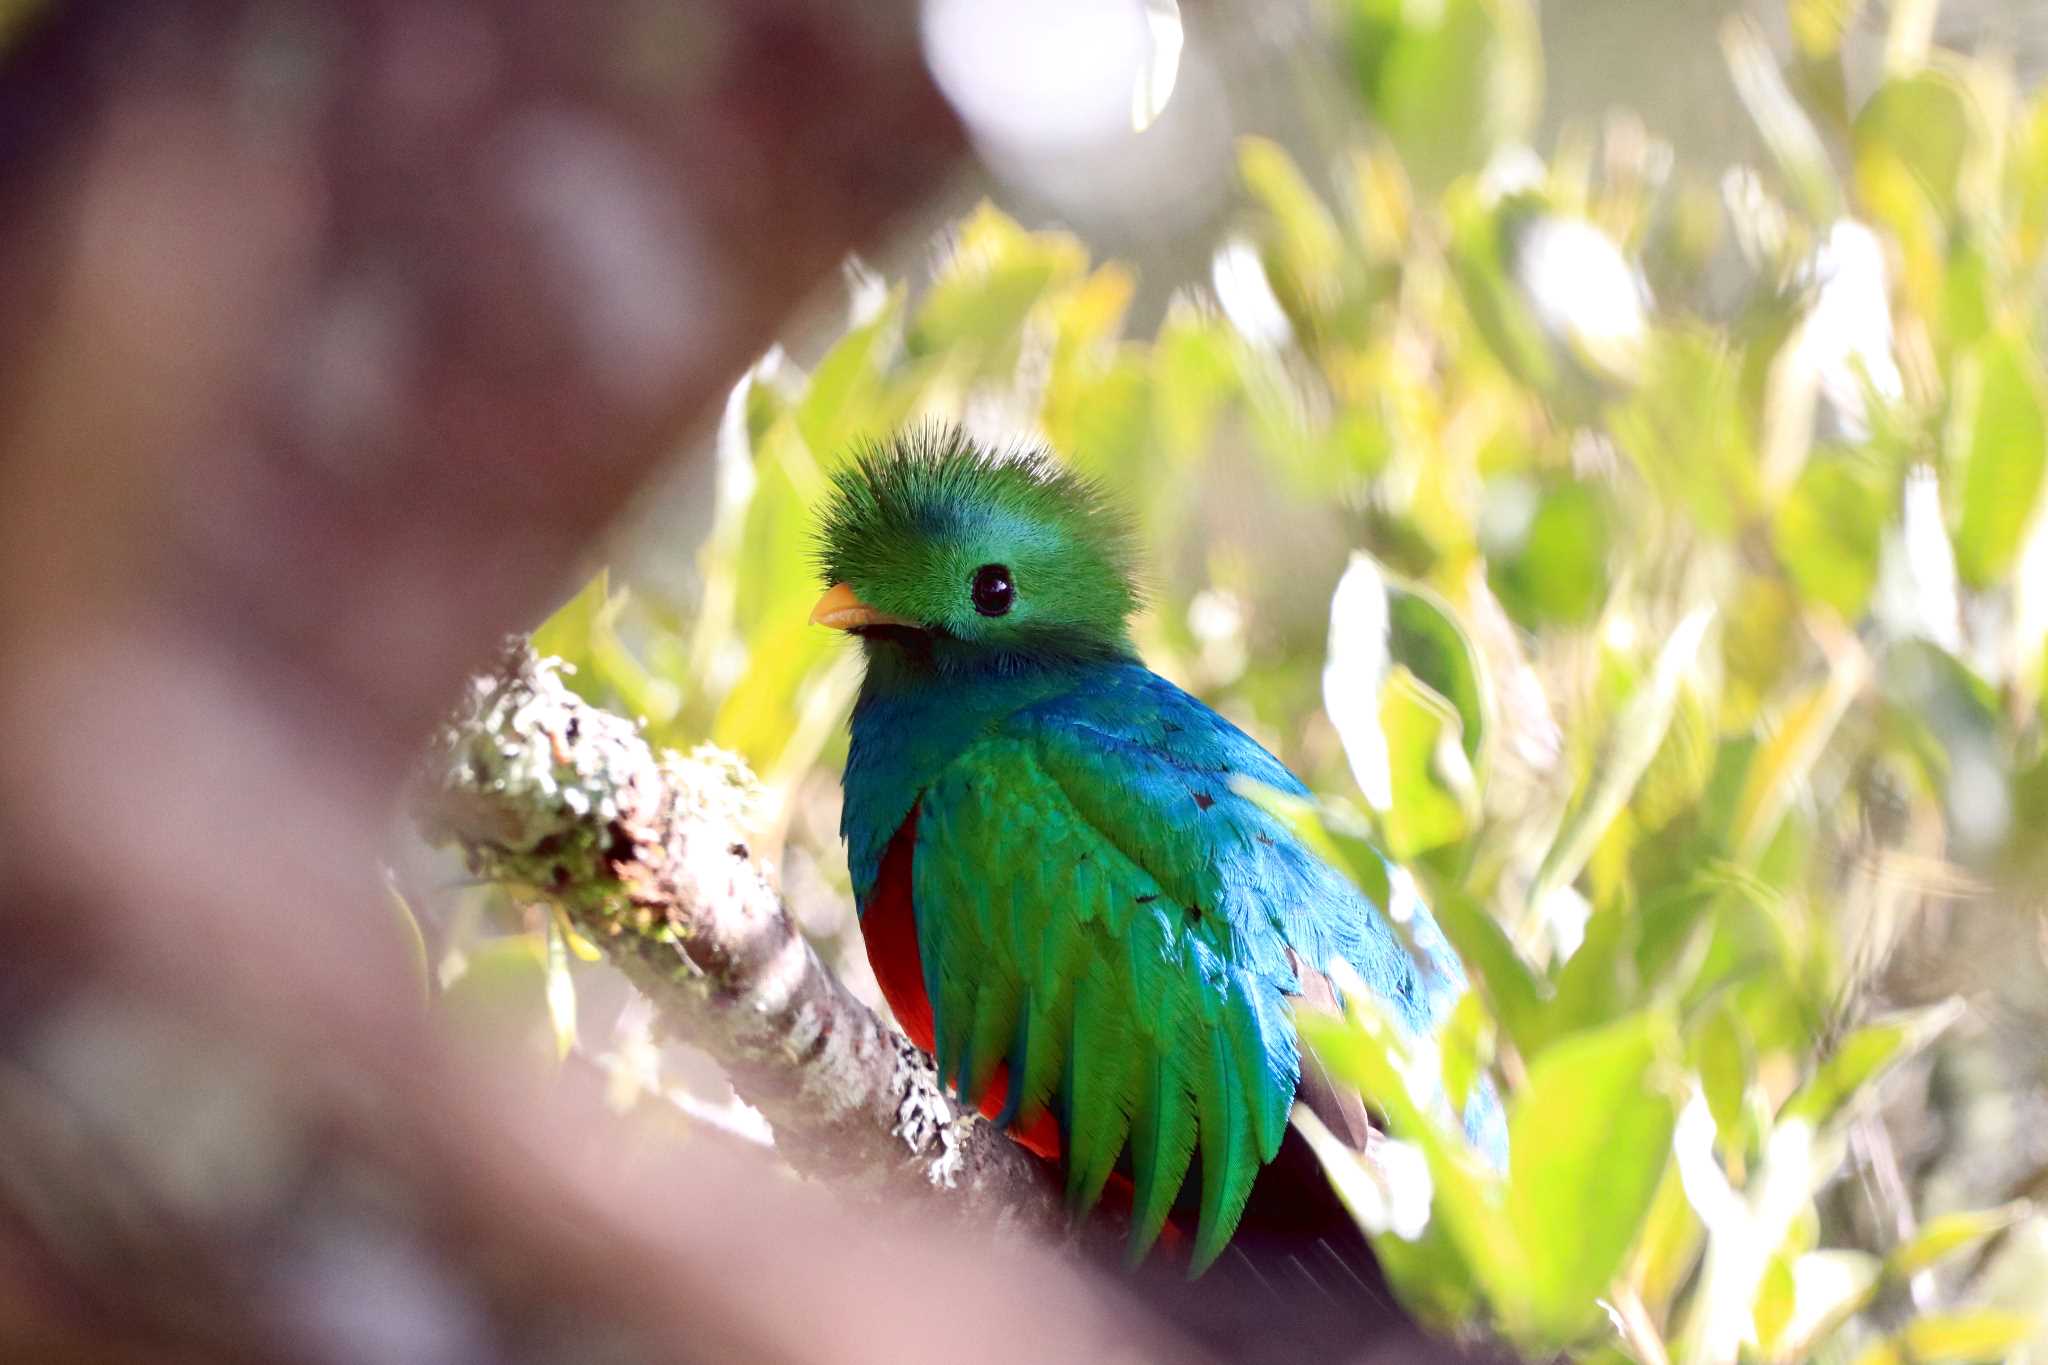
1067	897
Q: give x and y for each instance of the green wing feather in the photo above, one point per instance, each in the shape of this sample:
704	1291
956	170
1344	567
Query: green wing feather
1047	945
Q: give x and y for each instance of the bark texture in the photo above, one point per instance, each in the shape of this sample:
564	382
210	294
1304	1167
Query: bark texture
646	853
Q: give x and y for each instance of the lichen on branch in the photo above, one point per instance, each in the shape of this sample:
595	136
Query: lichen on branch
646	854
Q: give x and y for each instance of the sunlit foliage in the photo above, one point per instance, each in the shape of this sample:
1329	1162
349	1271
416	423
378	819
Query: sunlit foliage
1649	557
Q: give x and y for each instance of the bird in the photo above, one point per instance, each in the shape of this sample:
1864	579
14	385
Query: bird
1070	893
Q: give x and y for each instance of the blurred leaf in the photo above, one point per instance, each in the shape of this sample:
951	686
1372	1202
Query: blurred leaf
640	692
1597	1179
843	399
1972	291
1365	1050
1377	621
1101	413
1867	1054
1669	1244
1415	63
1780	767
1481	258
1949	1234
1986	1334
1829	532
408	926
1775	1300
1997	440
1425	635
1503	976
1382	205
1686	429
1925	123
1555	571
566	633
561	990
1723	1065
1466	1045
1355	675
2027	184
579	947
1759	644
1819	25
1785	128
997	274
1194	375
502	997
1434	802
1625	753
1684	763
1304	248
1827	1287
1426	1268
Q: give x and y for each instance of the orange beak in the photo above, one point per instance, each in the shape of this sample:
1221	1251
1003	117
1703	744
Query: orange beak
841	609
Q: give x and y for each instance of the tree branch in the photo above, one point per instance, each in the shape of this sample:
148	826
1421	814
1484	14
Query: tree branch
646	854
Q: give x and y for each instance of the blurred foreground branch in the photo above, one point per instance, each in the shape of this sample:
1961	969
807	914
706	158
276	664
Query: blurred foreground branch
645	852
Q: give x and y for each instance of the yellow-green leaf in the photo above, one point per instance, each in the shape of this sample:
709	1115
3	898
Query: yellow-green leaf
1949	1234
1596	1178
1986	1334
1864	1056
1997	441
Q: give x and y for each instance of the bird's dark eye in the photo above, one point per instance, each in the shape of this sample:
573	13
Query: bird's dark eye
993	591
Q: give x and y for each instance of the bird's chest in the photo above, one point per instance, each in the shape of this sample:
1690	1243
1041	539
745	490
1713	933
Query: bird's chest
901	742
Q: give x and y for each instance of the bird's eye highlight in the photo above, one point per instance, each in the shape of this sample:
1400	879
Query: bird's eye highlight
993	591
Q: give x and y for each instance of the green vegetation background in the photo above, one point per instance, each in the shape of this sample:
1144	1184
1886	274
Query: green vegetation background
1689	652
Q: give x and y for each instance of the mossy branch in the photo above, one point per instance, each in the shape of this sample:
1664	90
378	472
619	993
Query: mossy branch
646	854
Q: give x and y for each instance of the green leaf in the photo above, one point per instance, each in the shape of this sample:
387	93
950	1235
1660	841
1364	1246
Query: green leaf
1377	622
1829	532
1480	259
1425	1267
998	273
565	635
1424	634
1985	1334
1503	977
1434	802
844	397
1100	416
1775	1299
1365	1050
1625	753
1194	375
1828	1287
1721	1058
1594	1178
1416	64
1304	252
1688	430
1925	123
1818	26
1864	1057
1997	441
1780	767
1555	571
1950	1234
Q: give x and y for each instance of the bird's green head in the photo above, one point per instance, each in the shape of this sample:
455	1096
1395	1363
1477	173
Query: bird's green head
951	557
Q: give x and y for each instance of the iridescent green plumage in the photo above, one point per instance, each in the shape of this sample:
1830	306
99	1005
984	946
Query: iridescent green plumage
1099	908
